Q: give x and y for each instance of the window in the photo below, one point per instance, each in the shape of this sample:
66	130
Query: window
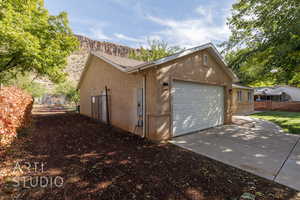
239	95
250	96
205	59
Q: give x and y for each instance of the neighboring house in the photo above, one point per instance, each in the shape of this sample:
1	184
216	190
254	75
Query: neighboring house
182	93
51	99
242	99
277	93
281	98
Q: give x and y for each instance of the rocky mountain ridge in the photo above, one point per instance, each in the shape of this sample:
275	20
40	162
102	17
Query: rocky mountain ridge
106	47
77	60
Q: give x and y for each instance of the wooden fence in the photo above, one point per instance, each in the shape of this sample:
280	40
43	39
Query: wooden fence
280	106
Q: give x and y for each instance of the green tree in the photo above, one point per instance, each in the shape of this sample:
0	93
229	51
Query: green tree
265	41
157	49
32	40
27	83
68	89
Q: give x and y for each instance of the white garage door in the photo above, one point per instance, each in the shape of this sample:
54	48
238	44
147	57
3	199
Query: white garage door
196	107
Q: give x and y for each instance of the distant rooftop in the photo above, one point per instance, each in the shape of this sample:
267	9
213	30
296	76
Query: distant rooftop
241	86
293	92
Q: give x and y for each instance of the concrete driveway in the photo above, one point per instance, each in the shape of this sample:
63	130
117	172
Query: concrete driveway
254	145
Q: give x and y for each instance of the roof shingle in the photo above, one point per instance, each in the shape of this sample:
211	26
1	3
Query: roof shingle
125	63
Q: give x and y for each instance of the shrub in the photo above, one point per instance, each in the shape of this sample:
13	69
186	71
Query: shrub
15	113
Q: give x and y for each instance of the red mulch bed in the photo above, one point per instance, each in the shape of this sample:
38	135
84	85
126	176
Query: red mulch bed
99	162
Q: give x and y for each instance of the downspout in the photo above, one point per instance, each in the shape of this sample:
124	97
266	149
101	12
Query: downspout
107	106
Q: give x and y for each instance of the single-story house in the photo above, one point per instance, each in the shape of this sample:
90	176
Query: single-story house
179	94
277	94
242	99
51	99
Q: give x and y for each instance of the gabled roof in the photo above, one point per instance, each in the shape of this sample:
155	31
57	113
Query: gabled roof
117	61
208	46
130	65
236	85
121	63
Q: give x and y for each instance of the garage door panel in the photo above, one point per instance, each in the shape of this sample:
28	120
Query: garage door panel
196	107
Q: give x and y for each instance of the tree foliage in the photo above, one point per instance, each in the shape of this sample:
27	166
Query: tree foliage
32	40
265	41
27	83
157	49
68	89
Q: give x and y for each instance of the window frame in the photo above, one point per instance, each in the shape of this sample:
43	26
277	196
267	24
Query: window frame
240	96
205	59
250	96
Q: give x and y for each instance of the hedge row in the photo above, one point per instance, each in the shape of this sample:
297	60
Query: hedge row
15	113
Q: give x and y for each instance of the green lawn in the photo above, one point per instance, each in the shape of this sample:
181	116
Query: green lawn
289	121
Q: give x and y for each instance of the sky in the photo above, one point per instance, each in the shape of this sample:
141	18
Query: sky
186	23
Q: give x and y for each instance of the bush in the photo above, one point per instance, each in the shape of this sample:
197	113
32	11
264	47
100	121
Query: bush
68	90
15	113
26	82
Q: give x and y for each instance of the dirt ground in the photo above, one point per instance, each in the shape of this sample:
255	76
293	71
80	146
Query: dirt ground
84	159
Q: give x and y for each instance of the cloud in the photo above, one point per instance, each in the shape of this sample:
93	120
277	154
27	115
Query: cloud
154	37
93	28
137	41
135	6
127	38
194	31
206	13
98	34
206	24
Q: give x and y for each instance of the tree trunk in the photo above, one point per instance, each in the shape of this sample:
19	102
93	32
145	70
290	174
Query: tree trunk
8	65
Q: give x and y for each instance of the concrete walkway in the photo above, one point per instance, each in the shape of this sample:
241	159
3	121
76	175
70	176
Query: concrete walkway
256	146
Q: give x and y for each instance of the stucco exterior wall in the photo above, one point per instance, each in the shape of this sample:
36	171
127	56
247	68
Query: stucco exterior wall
122	91
189	68
151	106
123	87
244	106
